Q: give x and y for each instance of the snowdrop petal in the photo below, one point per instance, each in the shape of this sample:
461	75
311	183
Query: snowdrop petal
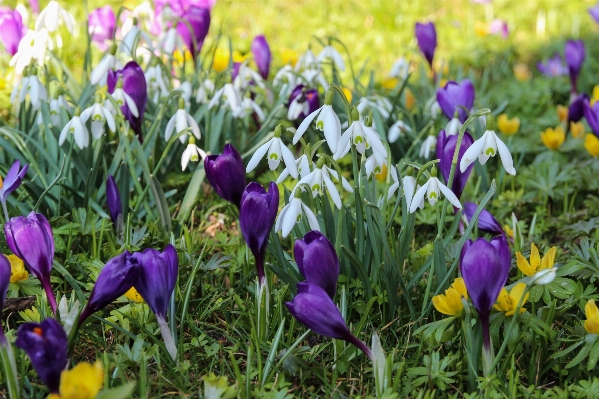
289	161
170	127
258	155
451	197
312	221
472	153
295	209
419	196
506	157
333	192
304	125
195	129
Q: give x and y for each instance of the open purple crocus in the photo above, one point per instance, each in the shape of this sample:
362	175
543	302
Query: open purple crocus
486	220
456	97
134	84
11	30
446	145
226	174
426	36
101	25
554	66
317	261
262	56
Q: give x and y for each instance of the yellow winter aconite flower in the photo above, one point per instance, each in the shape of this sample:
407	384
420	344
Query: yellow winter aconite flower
81	382
17	269
347	93
410	100
480	29
591	324
390	83
133	295
553	138
450	303
181	57
577	130
507	302
591	143
508	126
562	112
536	263
522	72
289	56
508	230
221	60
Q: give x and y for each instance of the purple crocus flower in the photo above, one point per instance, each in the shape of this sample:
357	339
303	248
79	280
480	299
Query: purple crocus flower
426	36
455	97
486	221
203	3
46	345
576	108
594	11
226	174
591	114
499	27
134	84
199	20
313	307
11	30
262	56
13	179
113	200
302	102
35	6
235	70
30	238
257	214
485	266
445	149
554	66
317	261
574	53
101	26
116	278
5	271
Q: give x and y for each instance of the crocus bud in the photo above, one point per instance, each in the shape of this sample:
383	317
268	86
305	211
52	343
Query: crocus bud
486	221
574	53
226	174
317	261
13	179
101	26
113	199
455	97
313	307
30	238
262	56
116	278
134	84
46	345
576	108
445	150
426	36
11	30
257	214
199	20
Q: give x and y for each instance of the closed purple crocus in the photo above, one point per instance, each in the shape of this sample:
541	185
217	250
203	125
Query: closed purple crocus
317	261
456	97
5	271
226	174
11	30
486	221
262	56
46	345
30	238
116	278
591	114
113	200
594	11
134	84
485	266
257	214
13	179
101	26
199	20
554	66
576	108
302	102
446	145
313	307
426	36
574	53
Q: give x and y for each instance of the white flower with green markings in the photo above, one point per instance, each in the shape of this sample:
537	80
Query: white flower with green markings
100	116
327	122
292	214
77	128
181	121
433	189
277	150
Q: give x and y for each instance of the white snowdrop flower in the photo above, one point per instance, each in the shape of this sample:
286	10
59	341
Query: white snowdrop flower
186	92
229	94
484	148
379	363
245	76
52	16
56	104
435	110
126	46
156	82
375	163
482	120
277	150
67	317
192	153
303	169
427	146
15	94
108	62
35	89
306	60
381	104
170	41
298	106
433	189
453	126
22	10
397	129
100	116
181	121
327	122
123	98
329	52
313	76
31	47
542	277
400	69
247	107
409	186
166	15
285	75
292	214
395	179
320	178
205	90
360	135
77	128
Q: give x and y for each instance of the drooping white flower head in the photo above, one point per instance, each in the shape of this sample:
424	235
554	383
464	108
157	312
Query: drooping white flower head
247	107
247	75
157	87
192	153
375	102
453	126
52	16
543	277
100	116
204	92
171	41
484	148
181	121
397	129
123	98
77	128
400	69
277	150
427	146
319	178
131	35
32	86
303	169
31	47
108	62
362	136
292	214
375	163
229	94
329	52
433	189
327	122
409	186
313	76
306	60
435	110
68	316
285	75
395	179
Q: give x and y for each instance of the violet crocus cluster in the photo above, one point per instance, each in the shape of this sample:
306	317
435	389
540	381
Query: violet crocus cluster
134	84
101	25
456	97
226	174
446	145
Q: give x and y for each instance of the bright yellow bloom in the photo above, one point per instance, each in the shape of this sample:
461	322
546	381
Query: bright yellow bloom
591	324
17	269
536	263
508	230
289	56
591	143
133	295
221	60
410	100
81	382
553	138
480	29
390	83
451	303
507	302
522	72
577	130
181	57
347	93
382	177
562	112
508	126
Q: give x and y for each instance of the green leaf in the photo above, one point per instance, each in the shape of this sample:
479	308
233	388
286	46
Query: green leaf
122	392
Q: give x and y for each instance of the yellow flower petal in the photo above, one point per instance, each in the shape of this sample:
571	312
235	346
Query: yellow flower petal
562	112
590	310
289	56
508	126
450	303
591	143
410	100
553	138
460	286
592	325
82	382
390	83
507	302
596	93
347	93
221	60
523	265
535	258
17	269
133	295
577	130
522	72
549	259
